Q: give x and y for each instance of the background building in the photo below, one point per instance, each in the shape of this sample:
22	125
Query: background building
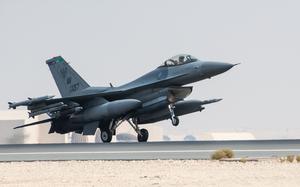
125	133
39	134
30	135
226	136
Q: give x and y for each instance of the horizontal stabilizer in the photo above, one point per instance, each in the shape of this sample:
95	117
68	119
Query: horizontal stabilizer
35	123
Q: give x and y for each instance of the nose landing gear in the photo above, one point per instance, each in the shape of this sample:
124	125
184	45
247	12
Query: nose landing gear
175	121
174	118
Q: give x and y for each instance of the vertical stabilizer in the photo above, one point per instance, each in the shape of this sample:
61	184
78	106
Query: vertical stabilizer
66	78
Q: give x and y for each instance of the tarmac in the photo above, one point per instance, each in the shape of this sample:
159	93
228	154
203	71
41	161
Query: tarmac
147	151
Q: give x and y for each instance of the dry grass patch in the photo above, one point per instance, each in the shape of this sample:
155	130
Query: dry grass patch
223	153
243	160
290	158
298	158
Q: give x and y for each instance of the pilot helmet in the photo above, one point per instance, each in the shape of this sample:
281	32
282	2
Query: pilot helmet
181	58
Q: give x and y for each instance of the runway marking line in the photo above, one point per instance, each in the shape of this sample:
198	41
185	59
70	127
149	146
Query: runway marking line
141	152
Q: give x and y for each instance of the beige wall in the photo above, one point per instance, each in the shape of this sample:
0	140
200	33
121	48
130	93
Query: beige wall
30	135
44	137
10	136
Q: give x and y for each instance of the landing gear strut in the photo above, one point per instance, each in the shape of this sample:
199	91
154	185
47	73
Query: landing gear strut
106	134
142	135
174	118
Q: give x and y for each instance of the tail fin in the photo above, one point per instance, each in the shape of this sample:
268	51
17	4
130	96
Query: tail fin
66	78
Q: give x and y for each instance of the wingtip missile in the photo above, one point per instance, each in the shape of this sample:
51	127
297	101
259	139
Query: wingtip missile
30	101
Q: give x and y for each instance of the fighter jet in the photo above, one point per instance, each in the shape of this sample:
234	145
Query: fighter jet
158	95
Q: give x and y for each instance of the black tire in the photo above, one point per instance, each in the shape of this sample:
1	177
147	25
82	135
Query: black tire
175	121
144	137
106	136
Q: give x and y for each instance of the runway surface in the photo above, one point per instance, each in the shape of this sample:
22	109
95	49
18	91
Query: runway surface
147	151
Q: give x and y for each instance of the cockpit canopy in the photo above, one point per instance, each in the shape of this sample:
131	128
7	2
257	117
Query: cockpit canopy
179	60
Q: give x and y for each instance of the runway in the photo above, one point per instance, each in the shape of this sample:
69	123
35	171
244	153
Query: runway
147	151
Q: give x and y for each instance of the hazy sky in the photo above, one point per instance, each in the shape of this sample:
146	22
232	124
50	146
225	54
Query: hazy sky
118	41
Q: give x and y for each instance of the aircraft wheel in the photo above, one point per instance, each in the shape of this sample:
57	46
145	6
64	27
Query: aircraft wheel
106	136
144	137
175	121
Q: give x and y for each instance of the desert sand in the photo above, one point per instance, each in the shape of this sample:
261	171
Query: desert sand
150	173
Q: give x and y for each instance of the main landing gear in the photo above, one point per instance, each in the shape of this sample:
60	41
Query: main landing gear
174	118
142	134
107	133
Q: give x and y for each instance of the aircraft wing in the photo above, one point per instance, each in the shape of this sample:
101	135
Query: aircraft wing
113	94
83	98
72	104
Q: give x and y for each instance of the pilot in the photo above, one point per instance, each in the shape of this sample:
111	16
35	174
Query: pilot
181	59
170	62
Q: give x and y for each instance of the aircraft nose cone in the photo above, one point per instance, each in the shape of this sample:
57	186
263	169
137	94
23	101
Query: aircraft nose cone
214	68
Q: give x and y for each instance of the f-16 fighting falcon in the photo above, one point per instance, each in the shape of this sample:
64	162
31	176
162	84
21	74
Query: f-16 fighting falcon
156	96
